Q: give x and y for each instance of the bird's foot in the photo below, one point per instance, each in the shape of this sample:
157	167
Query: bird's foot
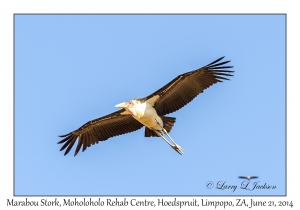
177	148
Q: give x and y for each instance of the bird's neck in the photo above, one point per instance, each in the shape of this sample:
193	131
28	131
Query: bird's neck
140	109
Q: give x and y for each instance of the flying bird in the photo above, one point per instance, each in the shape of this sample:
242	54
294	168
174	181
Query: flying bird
248	177
149	111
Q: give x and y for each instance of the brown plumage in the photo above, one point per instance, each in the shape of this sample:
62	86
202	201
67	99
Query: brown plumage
185	87
100	129
171	97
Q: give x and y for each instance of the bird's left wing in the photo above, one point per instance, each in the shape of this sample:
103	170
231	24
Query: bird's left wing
114	124
185	87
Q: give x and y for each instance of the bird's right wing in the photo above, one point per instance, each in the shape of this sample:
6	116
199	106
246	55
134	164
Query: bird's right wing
114	124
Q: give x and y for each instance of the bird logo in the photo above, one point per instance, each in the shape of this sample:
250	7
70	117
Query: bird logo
248	177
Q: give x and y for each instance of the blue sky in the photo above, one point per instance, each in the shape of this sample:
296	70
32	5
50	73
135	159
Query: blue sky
70	69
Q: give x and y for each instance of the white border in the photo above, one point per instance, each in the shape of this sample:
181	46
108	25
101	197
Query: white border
8	8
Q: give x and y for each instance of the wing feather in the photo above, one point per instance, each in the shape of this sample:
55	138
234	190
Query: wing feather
99	129
79	145
185	87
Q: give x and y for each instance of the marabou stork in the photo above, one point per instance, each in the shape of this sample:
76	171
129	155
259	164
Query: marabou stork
149	111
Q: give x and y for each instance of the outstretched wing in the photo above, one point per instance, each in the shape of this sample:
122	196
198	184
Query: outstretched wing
243	177
114	124
253	177
185	87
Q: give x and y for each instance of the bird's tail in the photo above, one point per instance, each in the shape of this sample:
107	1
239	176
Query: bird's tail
168	124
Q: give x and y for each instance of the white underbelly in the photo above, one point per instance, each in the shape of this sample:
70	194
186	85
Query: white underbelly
150	118
148	121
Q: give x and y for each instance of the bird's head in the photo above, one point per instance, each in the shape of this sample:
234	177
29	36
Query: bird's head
129	106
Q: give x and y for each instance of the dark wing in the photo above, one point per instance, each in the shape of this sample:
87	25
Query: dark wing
185	87
243	177
100	129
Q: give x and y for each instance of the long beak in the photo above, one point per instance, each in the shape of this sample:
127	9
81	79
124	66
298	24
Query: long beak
122	105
